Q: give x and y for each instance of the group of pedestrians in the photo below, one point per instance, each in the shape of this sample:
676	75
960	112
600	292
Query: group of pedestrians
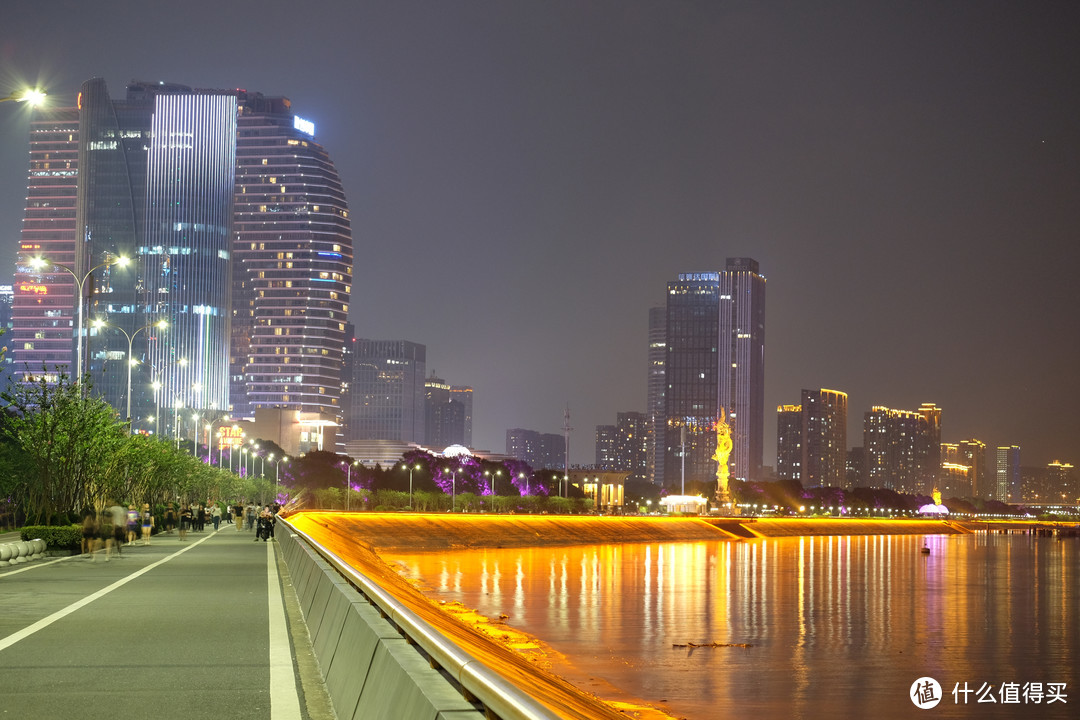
115	526
252	517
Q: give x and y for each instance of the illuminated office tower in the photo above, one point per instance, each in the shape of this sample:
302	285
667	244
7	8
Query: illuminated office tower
715	343
1007	476
43	302
292	273
657	385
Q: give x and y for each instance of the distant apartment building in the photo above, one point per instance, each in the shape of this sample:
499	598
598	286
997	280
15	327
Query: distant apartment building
607	437
715	364
624	445
856	467
656	392
1053	484
386	391
789	442
902	448
539	450
1007	486
811	440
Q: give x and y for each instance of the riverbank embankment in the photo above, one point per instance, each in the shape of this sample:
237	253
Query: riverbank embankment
418	532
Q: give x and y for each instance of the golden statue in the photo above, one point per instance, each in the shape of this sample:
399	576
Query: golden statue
722	455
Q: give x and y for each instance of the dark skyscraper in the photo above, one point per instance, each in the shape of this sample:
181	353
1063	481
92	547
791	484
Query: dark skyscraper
715	343
386	391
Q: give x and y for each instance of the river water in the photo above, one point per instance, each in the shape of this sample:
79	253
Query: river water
834	626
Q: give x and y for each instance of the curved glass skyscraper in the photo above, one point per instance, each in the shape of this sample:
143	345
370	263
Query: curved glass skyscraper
292	265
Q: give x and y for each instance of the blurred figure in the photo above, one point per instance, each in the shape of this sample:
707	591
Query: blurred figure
249	516
147	523
200	517
90	532
170	519
119	520
215	515
132	523
107	532
185	521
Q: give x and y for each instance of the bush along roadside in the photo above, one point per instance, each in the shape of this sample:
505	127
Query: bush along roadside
56	537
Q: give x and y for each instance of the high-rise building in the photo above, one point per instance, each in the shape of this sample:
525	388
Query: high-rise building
789	442
154	177
715	343
824	447
539	450
292	264
657	387
631	447
607	439
811	439
463	395
43	304
1007	476
386	391
902	449
973	454
445	413
856	467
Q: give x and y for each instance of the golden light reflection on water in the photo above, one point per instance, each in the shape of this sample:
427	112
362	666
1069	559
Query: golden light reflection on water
846	623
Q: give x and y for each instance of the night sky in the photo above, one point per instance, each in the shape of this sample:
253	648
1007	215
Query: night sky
524	178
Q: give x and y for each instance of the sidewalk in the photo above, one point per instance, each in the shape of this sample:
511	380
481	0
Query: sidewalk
193	630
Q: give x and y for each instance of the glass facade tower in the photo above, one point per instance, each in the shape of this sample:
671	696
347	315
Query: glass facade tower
293	256
715	345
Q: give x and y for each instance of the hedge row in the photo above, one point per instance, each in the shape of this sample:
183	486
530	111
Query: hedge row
56	537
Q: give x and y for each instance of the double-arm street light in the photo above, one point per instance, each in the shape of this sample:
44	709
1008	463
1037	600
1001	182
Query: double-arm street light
491	484
160	324
38	263
410	468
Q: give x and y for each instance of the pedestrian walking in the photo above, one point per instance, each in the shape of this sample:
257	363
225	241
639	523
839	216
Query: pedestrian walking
147	523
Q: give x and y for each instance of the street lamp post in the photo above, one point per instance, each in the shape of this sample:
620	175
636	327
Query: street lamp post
348	480
491	483
110	260
410	469
522	476
160	324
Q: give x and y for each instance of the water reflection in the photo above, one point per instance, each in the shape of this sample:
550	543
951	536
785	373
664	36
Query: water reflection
837	624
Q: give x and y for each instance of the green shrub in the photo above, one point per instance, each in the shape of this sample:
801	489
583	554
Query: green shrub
56	537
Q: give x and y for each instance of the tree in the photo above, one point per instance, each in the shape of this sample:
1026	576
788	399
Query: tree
69	438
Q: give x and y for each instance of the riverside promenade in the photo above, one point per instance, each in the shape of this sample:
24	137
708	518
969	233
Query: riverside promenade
208	627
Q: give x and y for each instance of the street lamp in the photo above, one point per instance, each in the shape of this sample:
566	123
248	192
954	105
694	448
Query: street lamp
410	468
110	260
31	96
277	465
522	476
348	479
98	324
491	484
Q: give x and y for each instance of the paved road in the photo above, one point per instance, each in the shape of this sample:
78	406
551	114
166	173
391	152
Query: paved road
204	628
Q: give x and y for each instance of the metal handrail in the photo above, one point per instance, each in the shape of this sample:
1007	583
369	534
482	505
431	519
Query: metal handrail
498	695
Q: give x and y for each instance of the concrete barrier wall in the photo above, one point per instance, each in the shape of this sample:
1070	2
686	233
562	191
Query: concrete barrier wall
370	670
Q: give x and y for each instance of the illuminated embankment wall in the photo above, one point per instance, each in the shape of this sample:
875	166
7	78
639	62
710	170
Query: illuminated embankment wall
419	532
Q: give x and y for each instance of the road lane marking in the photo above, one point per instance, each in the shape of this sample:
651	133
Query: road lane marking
29	630
284	700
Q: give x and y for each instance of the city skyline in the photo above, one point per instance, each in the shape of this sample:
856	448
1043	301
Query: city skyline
524	181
